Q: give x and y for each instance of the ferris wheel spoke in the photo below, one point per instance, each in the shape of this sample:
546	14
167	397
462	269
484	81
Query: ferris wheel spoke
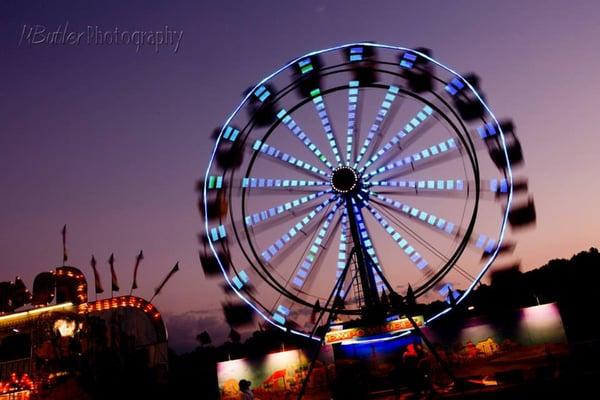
352	109
289	236
368	244
418	186
443	288
422	216
288	159
418	159
480	241
277	183
305	269
257	218
414	256
303	137
217	182
322	111
497	186
409	128
387	102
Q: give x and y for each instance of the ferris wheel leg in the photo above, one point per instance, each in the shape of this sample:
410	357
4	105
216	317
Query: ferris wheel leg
335	293
367	278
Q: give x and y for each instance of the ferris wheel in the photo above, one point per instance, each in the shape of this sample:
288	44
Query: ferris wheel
354	171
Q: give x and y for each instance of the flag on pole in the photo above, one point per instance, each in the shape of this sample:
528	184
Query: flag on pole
97	282
164	282
411	300
114	282
316	309
138	259
64	243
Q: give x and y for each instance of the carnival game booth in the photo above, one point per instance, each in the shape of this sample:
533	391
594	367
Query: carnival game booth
53	334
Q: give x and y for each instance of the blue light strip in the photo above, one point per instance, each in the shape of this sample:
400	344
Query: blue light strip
498	185
457	185
262	93
281	314
408	60
273	249
254	219
412	212
455	86
280	155
352	104
430	184
303	137
387	102
322	111
487	130
230	133
280	183
240	279
304	268
217	233
356	53
414	256
487	244
417	120
410	161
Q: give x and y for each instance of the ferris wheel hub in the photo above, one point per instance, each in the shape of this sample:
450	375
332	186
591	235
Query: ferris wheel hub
345	180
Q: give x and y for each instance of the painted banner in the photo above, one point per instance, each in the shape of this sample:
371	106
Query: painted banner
397	325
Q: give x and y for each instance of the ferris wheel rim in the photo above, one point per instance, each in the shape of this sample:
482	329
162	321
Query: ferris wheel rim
508	170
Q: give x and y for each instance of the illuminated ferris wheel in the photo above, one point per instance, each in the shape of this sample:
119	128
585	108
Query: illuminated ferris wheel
354	172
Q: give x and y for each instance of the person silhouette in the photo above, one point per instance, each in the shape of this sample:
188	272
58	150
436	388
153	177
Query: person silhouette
245	391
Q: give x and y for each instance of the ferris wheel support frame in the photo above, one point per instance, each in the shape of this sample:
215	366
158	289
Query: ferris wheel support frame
399	305
367	278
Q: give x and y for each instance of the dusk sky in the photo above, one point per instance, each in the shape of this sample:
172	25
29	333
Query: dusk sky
111	140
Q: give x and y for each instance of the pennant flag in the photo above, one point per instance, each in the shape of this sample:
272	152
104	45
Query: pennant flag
138	259
64	243
204	338
164	282
385	302
316	309
411	301
451	298
97	282
114	282
234	336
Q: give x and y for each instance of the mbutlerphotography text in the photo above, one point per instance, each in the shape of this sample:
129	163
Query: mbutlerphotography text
65	35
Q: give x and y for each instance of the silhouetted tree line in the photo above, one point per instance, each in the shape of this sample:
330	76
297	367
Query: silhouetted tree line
571	283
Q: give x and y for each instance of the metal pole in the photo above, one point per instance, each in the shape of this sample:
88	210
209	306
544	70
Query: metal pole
334	293
367	279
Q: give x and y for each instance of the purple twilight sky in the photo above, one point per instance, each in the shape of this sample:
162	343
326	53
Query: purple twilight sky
110	140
